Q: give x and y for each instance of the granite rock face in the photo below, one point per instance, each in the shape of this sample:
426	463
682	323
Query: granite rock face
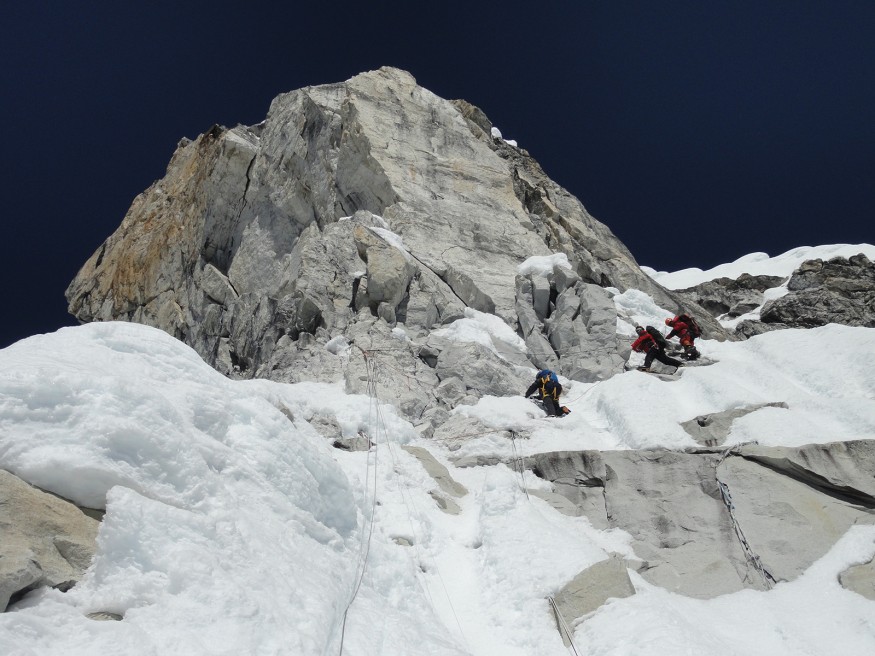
707	523
586	592
46	541
731	297
841	290
712	429
373	211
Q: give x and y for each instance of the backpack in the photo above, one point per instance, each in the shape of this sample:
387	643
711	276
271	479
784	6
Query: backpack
546	373
658	337
693	325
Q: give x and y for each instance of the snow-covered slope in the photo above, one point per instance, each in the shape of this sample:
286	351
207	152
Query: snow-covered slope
757	264
233	527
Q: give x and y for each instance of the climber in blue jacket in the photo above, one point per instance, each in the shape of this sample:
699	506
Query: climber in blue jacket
548	388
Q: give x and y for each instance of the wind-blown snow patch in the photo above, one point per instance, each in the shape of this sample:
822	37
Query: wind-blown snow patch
484	329
636	308
543	265
757	264
496	134
230	527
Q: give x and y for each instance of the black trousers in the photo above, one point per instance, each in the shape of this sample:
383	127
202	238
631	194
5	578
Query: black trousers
551	405
659	354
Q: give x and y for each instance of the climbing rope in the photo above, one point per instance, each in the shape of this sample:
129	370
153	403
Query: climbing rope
751	556
376	423
563	625
365	544
518	464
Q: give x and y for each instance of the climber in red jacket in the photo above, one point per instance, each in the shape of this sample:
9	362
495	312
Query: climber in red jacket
680	329
652	349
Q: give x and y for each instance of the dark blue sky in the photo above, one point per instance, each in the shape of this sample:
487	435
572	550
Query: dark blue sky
698	131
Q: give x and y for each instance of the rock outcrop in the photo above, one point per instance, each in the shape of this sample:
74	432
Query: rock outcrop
246	249
712	429
841	290
707	523
46	541
731	297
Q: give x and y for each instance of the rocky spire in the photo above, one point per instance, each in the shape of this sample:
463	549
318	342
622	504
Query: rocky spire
246	250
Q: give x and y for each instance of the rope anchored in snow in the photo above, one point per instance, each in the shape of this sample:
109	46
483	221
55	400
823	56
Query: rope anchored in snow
563	625
376	426
518	463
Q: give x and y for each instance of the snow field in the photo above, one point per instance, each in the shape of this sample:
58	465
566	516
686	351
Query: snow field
233	527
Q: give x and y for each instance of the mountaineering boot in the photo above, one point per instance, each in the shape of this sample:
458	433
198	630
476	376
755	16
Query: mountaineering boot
647	369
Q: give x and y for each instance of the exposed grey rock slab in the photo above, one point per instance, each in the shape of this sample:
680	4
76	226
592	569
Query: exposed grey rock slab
445	503
437	471
103	616
574	334
669	503
841	469
787	523
480	369
712	429
860	579
589	590
579	477
748	328
788	507
558	502
46	541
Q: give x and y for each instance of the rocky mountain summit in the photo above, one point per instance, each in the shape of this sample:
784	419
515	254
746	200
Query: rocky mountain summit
374	212
369	233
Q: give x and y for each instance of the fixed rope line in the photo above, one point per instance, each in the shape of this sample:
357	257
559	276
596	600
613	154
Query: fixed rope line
377	421
365	545
577	398
563	625
410	520
464	435
408	502
749	553
518	464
